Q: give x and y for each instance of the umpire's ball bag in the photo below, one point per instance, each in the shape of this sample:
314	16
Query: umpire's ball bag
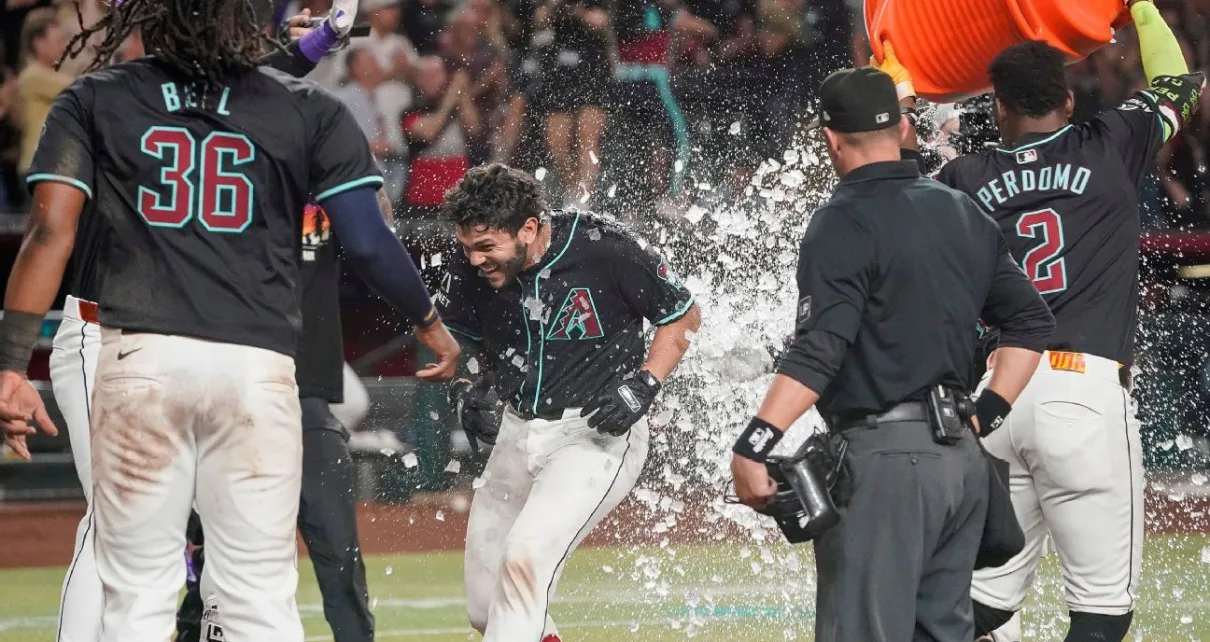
1003	538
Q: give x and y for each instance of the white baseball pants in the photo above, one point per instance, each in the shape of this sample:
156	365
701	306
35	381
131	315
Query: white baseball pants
178	422
73	365
1076	468
546	485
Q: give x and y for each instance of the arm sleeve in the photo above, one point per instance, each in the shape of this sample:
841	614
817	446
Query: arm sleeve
1158	46
289	60
340	153
376	253
1014	305
813	359
455	303
65	152
835	268
647	282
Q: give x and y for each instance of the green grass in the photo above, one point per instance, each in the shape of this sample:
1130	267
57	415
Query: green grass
716	593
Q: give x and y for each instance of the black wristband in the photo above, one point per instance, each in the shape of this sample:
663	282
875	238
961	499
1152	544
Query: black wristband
757	440
18	333
429	319
991	409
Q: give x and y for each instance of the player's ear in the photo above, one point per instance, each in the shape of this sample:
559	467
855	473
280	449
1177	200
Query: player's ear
832	139
528	231
1069	105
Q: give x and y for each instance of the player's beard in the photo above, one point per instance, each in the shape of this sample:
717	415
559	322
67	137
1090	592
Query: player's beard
513	266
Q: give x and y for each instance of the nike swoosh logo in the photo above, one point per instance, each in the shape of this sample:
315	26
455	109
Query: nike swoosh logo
123	355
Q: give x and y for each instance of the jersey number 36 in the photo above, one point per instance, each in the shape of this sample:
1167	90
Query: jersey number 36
1043	265
221	197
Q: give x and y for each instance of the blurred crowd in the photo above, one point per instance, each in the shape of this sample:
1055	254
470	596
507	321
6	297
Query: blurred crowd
628	98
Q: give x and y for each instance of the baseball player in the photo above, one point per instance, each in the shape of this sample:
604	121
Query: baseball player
198	164
1066	198
557	302
327	512
73	362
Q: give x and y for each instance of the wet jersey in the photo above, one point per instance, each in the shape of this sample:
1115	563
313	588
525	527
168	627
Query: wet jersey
1067	202
200	197
569	326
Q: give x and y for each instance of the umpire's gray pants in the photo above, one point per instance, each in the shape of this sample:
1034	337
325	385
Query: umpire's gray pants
898	565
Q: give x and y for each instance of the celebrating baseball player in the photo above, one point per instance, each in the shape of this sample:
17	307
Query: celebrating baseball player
1066	199
197	184
557	301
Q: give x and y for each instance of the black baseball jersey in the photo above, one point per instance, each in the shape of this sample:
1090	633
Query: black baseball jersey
1067	202
567	327
201	196
319	362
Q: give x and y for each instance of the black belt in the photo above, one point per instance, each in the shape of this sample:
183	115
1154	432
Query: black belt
906	411
547	414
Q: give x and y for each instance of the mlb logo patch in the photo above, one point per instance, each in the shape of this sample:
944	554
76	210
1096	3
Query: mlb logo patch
1027	156
882	118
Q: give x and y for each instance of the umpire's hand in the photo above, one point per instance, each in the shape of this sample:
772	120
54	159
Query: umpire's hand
753	485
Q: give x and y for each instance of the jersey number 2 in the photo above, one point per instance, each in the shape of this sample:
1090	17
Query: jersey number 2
1043	265
222	197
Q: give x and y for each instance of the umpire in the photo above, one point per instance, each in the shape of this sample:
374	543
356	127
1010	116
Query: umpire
894	273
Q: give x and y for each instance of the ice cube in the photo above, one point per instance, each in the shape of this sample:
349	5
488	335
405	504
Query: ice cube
540	173
613	189
390	570
434	416
1166	445
793	178
1206	555
1199	479
678	166
1186	619
478	483
593	156
1184	442
607	569
790	157
594	234
410	460
435	261
734	129
518	361
472	365
695	214
453	467
441	516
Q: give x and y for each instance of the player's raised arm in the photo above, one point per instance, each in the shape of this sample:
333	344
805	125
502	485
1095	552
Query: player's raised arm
345	180
309	44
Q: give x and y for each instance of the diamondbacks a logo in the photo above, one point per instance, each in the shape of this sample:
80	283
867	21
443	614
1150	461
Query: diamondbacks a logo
577	317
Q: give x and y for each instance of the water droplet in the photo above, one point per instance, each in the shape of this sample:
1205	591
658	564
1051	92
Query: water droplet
441	516
390	570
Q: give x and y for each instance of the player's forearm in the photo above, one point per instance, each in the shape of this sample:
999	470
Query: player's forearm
1013	369
377	255
670	343
290	60
1158	46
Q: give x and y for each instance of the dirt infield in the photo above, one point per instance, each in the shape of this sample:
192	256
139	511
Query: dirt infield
42	534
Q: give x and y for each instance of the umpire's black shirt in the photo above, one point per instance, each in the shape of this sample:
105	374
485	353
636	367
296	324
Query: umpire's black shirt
899	269
567	327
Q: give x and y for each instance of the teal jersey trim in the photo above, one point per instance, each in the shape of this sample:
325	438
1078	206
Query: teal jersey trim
463	333
679	313
541	324
376	181
55	178
1035	143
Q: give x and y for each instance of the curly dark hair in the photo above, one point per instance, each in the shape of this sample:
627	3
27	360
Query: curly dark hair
495	195
205	40
1030	79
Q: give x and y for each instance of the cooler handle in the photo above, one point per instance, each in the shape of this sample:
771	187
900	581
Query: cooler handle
1030	29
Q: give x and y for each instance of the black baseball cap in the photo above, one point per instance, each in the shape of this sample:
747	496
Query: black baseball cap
857	100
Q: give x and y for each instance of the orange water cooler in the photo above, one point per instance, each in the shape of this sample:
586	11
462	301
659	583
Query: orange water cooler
947	44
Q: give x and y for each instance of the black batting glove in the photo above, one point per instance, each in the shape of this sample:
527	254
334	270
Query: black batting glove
478	410
621	405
